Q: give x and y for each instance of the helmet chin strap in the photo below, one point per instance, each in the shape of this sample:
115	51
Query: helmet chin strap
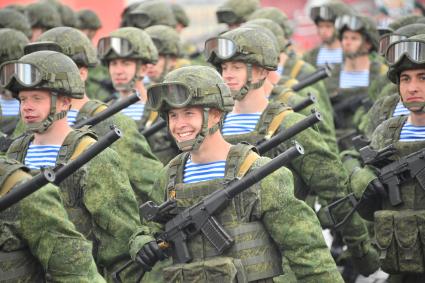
130	85
164	70
240	94
195	143
41	127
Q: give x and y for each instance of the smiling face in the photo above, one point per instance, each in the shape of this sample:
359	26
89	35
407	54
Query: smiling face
412	87
185	123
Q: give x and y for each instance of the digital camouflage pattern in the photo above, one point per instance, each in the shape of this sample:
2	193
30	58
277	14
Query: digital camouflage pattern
73	43
14	20
273	27
151	13
240	10
143	47
270	205
319	171
88	19
166	40
103	209
13	42
42	15
68	17
37	240
180	14
98	84
275	15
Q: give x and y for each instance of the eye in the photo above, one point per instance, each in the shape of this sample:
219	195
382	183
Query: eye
404	78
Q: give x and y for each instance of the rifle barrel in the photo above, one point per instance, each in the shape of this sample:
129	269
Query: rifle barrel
313	78
147	132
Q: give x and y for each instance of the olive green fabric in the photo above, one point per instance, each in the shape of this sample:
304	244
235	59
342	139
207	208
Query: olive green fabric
39	242
13	42
14	20
276	15
290	223
166	40
159	13
136	157
73	43
311	56
98	84
241	10
399	230
88	19
274	28
403	21
319	171
42	15
99	200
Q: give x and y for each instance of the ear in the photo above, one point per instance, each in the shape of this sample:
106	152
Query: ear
214	115
64	102
84	73
143	69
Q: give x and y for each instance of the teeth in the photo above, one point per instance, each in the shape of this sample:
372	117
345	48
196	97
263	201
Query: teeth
185	134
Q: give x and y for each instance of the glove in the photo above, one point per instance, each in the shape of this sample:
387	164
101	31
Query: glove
365	258
371	199
149	255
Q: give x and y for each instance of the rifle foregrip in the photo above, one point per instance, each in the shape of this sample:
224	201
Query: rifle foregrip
216	235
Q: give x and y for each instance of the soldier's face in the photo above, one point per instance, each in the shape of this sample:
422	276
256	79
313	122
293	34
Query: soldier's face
235	74
35	105
351	41
412	86
122	71
185	123
325	30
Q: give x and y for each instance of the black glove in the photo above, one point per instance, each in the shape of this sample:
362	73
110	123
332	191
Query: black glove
149	255
371	199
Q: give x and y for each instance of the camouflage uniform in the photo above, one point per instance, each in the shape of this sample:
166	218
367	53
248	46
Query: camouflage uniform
319	169
98	197
37	240
132	148
267	217
14	20
12	48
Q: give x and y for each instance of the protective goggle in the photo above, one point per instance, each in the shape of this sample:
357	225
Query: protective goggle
175	94
227	17
387	39
351	22
121	46
322	13
26	74
140	20
414	50
223	48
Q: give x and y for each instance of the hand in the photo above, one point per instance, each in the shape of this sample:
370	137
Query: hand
371	199
149	255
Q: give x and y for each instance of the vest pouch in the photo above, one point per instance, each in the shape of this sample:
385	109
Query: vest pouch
384	233
407	237
420	218
216	270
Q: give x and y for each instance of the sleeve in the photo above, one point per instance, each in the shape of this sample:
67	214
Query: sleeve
295	229
63	252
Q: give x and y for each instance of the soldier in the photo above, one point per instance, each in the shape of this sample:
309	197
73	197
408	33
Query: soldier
14	20
11	48
244	68
353	85
398	222
267	217
42	17
88	22
276	15
234	13
151	13
98	197
180	14
132	148
329	50
38	242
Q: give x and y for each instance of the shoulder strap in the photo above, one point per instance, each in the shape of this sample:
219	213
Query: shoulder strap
284	94
175	173
153	115
234	167
12	180
393	128
247	164
296	69
84	143
289	83
74	144
19	147
276	122
92	107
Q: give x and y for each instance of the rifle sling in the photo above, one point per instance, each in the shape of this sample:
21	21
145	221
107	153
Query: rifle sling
276	122
12	180
85	142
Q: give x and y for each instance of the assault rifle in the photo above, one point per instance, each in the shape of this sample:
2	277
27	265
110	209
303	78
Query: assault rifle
110	111
147	132
199	218
313	78
57	174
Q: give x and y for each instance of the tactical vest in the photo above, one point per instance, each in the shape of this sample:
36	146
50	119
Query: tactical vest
311	56
161	143
294	67
17	264
400	231
254	256
72	188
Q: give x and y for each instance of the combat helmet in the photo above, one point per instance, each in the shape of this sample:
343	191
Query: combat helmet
12	47
87	19
277	16
73	43
42	15
192	86
360	24
180	14
406	54
130	43
276	30
329	11
151	13
233	12
399	34
14	20
249	45
43	70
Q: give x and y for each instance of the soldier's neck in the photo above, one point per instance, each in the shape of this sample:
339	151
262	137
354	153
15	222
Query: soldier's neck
336	44
417	119
55	134
77	104
140	88
360	63
255	101
213	148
